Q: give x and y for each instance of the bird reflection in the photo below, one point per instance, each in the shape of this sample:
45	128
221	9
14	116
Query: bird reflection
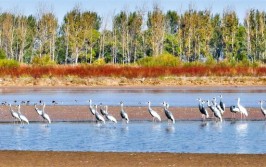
156	127
170	129
124	128
46	130
204	124
241	128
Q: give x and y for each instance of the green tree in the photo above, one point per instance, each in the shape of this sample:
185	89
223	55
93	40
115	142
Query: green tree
156	28
229	30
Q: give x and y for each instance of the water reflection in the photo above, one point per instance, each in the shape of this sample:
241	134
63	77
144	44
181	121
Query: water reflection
241	137
144	136
156	127
170	128
241	129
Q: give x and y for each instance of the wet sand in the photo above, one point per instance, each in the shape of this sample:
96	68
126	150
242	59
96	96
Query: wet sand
70	159
81	113
59	113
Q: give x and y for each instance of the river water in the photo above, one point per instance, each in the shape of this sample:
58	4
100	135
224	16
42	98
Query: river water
183	96
138	136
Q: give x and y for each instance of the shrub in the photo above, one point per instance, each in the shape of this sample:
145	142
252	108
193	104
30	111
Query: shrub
4	63
2	54
43	61
99	62
164	60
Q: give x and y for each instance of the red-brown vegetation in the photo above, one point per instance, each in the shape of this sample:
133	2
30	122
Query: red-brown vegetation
129	71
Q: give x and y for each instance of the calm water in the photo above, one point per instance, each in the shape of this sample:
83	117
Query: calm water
184	136
185	97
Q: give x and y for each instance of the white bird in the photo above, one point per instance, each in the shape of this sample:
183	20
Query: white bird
153	113
37	110
263	110
123	113
168	113
242	109
44	115
234	110
14	114
102	111
99	117
23	118
93	111
222	105
108	116
202	109
218	106
215	110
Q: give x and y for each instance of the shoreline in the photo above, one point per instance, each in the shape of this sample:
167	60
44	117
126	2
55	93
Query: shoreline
172	81
49	158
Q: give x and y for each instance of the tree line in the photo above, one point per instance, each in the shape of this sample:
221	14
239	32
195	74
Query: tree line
83	36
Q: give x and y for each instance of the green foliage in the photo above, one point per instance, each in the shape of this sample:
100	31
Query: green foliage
99	62
4	63
2	54
43	61
164	60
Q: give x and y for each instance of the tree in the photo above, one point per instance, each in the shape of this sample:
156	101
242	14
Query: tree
216	42
73	32
46	34
172	38
156	26
8	34
229	29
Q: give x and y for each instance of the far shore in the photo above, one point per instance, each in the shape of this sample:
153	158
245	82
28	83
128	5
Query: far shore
171	81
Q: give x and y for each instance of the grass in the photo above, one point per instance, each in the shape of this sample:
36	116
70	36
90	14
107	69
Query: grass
128	71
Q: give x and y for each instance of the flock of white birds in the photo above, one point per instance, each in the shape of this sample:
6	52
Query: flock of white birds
217	109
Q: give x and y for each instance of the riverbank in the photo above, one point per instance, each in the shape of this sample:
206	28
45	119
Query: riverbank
62	113
56	159
70	81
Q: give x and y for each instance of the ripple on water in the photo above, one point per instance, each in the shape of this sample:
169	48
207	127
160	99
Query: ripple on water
184	136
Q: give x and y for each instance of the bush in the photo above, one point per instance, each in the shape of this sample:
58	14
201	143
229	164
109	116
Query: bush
43	61
164	60
4	63
99	62
2	54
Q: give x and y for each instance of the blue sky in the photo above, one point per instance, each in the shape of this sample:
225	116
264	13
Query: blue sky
106	8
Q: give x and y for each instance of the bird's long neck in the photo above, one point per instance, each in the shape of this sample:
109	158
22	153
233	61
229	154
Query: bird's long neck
106	109
43	109
209	103
200	104
261	105
149	106
19	109
238	102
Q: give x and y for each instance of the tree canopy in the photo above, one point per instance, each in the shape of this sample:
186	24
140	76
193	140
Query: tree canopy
194	35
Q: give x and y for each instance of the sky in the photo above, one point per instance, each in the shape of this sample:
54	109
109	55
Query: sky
106	8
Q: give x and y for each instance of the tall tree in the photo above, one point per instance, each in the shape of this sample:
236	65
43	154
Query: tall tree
156	26
229	30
